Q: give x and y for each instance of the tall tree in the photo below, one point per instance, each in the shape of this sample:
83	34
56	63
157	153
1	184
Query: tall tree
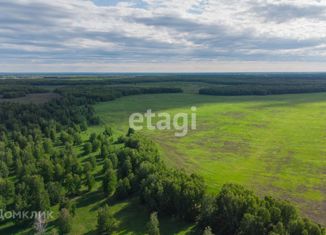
208	231
38	196
153	226
106	223
90	181
4	171
110	182
64	221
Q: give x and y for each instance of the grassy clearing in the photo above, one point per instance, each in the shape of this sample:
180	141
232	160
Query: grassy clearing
132	218
274	145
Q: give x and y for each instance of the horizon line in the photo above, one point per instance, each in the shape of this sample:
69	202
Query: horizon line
158	72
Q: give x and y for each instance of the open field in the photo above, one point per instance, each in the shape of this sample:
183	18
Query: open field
274	144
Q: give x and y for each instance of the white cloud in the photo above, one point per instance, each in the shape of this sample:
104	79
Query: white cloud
206	31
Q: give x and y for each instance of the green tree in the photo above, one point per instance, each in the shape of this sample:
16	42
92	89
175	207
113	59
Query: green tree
83	125
92	137
114	159
109	182
153	226
107	165
130	132
208	231
96	145
233	202
251	225
73	184
64	221
106	223
38	196
278	229
46	170
56	192
108	131
104	151
58	172
77	138
68	204
126	168
53	134
2	203
123	188
92	160
20	202
48	146
87	148
87	167
90	181
207	210
8	157
4	171
66	138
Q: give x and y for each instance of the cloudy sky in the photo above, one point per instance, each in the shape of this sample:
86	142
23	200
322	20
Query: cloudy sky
162	35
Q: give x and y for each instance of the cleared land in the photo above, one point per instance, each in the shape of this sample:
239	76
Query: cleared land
274	145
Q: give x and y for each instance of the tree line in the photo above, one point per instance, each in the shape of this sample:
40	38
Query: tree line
234	210
16	91
210	78
259	89
217	84
100	94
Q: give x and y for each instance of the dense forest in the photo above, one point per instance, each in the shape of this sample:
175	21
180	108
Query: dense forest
15	91
100	94
210	78
228	84
40	167
257	89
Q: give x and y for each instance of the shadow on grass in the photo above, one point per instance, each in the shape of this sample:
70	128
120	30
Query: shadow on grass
23	229
91	198
99	175
93	232
15	229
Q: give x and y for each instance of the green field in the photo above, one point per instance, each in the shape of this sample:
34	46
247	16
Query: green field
275	145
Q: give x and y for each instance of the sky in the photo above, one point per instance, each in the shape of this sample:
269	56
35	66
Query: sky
162	36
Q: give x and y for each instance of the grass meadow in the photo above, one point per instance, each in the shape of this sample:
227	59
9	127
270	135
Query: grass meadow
275	145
